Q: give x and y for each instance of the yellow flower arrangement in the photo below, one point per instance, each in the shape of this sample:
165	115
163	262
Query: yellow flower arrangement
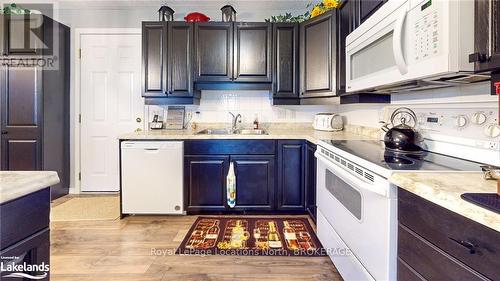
324	6
316	11
331	3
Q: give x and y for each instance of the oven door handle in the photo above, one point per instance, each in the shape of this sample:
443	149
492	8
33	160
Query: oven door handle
397	44
351	179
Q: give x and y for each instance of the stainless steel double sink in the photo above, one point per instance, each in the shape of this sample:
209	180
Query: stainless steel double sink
232	132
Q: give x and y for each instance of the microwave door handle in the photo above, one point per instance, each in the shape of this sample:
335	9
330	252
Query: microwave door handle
397	43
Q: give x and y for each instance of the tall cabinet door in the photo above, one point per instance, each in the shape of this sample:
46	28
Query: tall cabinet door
21	109
285	60
487	35
180	59
252	52
291	194
205	182
254	182
213	51
318	56
154	59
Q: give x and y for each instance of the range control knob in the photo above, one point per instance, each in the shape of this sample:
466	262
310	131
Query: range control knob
492	130
461	121
479	118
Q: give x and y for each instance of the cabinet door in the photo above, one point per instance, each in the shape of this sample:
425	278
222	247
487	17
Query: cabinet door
21	122
285	60
33	251
346	23
180	47
252	52
318	56
310	180
254	182
23	34
205	182
487	35
154	59
213	51
291	175
368	7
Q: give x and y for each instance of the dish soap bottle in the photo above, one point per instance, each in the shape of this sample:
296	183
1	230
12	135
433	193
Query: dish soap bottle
256	123
231	186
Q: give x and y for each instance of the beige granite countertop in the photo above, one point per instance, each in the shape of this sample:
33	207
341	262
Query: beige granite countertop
15	184
275	131
444	189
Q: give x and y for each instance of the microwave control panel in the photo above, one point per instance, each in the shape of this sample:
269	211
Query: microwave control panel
426	30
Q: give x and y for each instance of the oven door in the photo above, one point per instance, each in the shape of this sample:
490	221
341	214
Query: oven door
362	216
374	52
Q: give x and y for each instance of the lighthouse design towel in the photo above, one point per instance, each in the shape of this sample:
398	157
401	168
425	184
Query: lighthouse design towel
231	187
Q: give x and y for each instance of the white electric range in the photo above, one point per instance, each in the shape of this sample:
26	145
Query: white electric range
357	205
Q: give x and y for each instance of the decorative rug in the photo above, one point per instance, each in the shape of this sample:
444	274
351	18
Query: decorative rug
251	236
87	208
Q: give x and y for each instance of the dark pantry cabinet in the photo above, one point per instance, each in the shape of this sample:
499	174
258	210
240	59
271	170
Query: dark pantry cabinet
35	110
318	56
487	36
167	63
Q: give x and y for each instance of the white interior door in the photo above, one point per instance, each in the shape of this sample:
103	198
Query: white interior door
111	102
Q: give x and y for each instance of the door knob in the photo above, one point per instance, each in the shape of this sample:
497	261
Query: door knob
138	120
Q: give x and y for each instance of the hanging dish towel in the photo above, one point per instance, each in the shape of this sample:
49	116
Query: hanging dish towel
231	187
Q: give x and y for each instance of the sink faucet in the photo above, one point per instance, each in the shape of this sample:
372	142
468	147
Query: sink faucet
236	119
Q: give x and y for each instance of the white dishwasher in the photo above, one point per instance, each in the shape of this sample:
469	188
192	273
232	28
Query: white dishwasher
152	177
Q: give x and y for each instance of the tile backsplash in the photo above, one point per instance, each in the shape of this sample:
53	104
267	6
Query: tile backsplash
215	107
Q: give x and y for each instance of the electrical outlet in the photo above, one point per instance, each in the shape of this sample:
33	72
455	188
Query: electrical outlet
493	145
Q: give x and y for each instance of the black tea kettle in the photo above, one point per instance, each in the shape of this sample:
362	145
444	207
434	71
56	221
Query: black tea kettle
402	136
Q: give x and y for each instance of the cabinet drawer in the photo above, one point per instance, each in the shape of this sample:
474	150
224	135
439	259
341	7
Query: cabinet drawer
24	216
406	273
448	231
429	261
227	147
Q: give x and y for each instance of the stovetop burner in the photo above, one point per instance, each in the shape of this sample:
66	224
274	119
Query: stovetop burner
376	153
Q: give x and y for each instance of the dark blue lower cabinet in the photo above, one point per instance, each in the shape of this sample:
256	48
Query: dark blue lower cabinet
266	181
254	182
310	187
291	175
205	182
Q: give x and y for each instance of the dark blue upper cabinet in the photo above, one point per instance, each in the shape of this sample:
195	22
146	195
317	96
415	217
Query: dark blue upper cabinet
154	70
254	182
213	44
486	55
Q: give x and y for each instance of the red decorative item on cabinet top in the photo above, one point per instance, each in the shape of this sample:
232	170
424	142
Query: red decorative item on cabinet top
196	17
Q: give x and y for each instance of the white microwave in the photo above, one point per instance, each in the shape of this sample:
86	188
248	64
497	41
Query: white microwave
412	45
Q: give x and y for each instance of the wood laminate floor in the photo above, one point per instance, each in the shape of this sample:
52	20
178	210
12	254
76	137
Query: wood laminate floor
122	250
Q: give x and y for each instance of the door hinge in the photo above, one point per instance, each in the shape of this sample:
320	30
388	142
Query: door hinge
80	53
79	118
79	176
